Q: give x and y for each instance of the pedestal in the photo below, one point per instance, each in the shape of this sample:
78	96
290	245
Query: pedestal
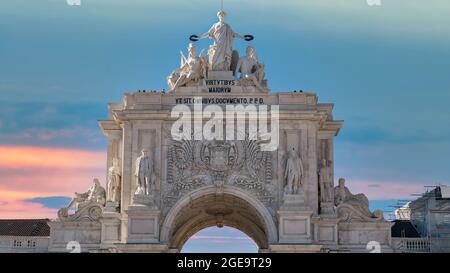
85	233
220	75
326	230
294	202
327	209
145	200
111	222
143	224
294	227
286	248
111	207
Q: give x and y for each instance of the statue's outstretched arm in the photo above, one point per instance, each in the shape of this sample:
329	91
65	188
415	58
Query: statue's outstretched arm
238	36
208	34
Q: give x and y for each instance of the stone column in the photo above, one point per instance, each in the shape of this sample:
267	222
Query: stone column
127	175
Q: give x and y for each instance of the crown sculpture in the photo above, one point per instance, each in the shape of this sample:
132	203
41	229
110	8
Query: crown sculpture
221	65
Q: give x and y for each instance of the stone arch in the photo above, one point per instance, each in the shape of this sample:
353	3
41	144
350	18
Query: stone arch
210	205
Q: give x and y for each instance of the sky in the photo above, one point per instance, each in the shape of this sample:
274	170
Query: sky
386	69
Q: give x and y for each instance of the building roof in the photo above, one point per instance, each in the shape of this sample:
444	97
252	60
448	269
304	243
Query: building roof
24	227
404	228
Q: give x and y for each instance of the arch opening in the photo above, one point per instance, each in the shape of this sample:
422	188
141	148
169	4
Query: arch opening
206	208
220	240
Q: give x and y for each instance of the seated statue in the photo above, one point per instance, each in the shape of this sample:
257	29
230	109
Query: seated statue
192	69
95	194
358	203
88	205
251	69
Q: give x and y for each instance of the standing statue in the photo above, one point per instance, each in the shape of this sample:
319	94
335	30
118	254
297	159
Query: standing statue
251	69
114	181
192	68
293	173
144	173
96	194
220	53
326	183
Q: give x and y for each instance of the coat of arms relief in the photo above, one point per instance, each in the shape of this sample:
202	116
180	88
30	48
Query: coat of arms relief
192	164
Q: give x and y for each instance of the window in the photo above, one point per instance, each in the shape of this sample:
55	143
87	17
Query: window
17	243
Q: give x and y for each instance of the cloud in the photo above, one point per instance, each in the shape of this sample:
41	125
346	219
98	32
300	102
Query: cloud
51	202
72	136
383	190
17	208
421	162
34	181
23	157
52	124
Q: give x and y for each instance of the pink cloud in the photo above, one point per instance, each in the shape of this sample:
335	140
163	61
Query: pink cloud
377	190
15	207
29	172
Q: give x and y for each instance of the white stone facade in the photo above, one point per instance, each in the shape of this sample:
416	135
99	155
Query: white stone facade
184	206
273	196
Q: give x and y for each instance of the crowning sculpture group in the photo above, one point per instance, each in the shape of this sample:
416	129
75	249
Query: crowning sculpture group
220	57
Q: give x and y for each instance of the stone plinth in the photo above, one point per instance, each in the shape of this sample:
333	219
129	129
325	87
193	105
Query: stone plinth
111	222
294	202
142	248
297	248
294	227
111	207
146	200
85	233
326	230
143	224
327	209
220	75
356	235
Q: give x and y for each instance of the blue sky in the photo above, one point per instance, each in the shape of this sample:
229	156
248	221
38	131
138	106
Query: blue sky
386	68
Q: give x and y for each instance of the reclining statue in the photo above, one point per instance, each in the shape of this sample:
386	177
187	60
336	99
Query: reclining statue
91	201
351	207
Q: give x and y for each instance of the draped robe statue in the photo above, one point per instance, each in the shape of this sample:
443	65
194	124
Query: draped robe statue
114	180
293	173
221	51
343	196
95	194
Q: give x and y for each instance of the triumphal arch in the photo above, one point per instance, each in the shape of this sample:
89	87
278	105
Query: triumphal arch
220	149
